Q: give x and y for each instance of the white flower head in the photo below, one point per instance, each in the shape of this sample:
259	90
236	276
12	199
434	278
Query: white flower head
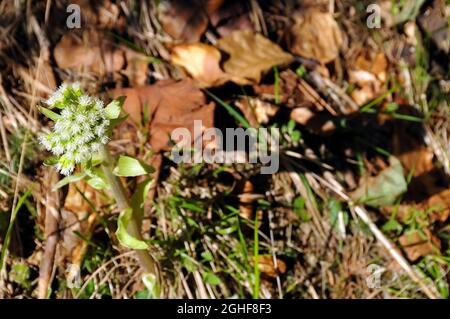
80	130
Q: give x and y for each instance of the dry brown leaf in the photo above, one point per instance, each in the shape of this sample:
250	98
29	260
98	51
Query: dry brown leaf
232	16
440	205
183	20
171	105
267	266
91	53
437	206
417	244
315	35
201	61
250	55
418	160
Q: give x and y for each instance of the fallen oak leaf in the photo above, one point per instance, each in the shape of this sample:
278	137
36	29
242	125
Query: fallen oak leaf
183	20
169	105
383	189
91	53
229	17
315	35
250	55
98	54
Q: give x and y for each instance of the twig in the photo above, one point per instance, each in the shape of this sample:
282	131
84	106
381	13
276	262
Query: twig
52	218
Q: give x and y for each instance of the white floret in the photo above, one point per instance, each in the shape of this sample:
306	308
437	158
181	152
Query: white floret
58	149
45	142
98	104
85	100
67	170
104	139
95	147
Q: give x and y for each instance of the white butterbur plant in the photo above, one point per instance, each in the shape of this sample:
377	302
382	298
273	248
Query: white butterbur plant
80	129
78	141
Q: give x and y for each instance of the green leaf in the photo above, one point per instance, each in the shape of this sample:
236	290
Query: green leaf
114	108
392	224
129	166
192	207
383	189
69	179
299	209
49	113
151	283
188	263
20	274
51	161
211	279
291	126
334	207
97	182
122	234
301	71
295	136
138	198
207	256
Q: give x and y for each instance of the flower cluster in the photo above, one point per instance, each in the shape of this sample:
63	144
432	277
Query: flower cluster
80	129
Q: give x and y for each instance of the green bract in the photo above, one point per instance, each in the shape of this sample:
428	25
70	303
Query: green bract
80	128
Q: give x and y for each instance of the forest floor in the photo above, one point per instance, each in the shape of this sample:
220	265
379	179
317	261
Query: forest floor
357	207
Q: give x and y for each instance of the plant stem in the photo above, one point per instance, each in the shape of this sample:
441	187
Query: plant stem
123	202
